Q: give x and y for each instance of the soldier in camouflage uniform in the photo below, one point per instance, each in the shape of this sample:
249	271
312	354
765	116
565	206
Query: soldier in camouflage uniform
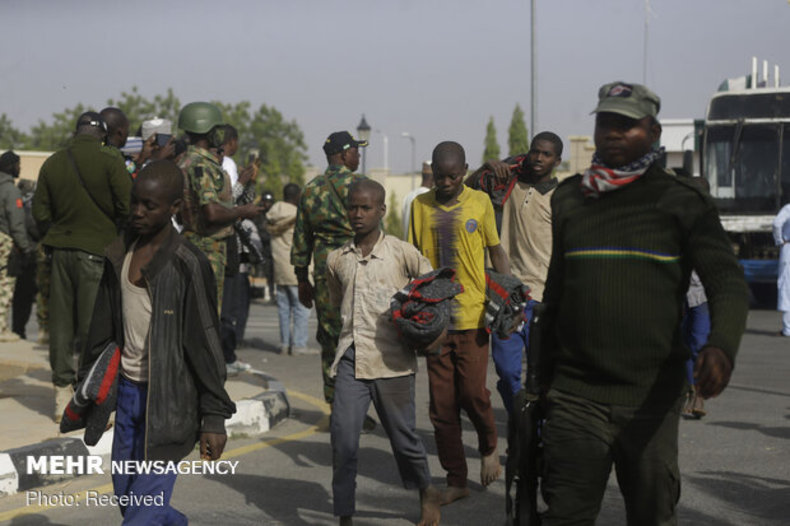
207	212
12	236
321	226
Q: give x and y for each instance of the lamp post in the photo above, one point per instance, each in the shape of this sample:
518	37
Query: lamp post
363	132
386	151
533	91
413	156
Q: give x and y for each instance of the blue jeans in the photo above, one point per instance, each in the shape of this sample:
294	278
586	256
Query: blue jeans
234	313
696	328
129	444
287	306
507	358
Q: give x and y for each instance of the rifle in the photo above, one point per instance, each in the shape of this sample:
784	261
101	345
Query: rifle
525	447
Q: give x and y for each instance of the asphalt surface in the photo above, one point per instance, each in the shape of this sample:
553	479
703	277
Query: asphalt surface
735	463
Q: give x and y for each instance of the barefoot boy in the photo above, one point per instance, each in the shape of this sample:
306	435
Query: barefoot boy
371	363
452	225
157	300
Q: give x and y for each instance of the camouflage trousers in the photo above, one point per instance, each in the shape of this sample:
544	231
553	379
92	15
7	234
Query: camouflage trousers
43	276
214	249
329	326
6	282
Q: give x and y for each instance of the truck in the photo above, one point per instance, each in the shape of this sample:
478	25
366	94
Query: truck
745	156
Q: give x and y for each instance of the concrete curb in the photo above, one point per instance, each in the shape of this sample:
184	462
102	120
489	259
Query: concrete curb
254	416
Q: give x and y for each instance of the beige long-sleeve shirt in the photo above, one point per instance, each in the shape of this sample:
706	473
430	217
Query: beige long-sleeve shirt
526	233
280	221
362	286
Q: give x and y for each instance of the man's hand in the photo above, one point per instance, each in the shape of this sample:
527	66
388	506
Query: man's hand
212	445
165	152
249	173
712	372
249	211
501	170
147	150
306	294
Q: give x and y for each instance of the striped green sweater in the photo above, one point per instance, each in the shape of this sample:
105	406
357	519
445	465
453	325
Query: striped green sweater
619	272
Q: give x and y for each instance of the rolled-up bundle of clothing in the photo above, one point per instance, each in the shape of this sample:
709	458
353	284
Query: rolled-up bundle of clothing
421	310
499	191
506	298
95	397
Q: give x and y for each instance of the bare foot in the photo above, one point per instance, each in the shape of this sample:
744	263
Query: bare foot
430	503
346	521
490	469
453	493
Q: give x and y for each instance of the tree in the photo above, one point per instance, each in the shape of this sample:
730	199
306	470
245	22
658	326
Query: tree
517	138
11	137
393	225
280	142
49	137
491	146
137	108
282	148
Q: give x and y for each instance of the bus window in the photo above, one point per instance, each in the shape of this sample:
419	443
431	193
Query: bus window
717	160
756	166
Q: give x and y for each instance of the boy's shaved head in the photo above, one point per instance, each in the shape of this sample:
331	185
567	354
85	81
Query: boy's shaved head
369	185
167	174
449	153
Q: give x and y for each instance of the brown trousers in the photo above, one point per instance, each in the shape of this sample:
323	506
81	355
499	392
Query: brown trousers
457	378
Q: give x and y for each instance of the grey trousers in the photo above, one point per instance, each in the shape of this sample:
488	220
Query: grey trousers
394	402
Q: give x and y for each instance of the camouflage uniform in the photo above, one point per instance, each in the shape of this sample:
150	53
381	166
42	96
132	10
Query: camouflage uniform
12	231
6	282
321	226
205	182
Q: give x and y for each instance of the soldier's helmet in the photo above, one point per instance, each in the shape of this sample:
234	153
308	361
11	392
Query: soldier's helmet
199	117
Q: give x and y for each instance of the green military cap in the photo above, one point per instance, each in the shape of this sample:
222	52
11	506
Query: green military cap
632	100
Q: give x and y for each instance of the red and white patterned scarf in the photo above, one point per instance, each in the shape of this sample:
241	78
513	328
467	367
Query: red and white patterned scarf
599	178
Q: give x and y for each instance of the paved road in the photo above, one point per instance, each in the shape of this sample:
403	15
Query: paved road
735	463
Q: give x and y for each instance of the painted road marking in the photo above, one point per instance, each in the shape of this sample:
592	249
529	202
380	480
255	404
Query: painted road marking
244	450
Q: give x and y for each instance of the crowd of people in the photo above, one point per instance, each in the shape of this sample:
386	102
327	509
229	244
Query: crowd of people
152	254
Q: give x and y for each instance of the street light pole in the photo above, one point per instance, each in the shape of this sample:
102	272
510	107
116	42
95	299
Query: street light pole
363	132
413	156
533	73
386	151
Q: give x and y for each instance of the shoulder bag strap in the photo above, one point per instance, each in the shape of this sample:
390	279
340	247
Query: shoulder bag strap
85	187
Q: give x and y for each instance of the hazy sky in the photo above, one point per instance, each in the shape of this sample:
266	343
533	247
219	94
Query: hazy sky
434	68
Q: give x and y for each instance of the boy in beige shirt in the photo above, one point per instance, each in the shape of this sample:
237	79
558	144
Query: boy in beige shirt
372	365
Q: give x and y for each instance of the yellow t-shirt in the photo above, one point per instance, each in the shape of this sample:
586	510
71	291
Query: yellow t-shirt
456	236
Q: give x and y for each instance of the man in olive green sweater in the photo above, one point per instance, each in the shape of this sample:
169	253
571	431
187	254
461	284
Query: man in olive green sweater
626	235
82	195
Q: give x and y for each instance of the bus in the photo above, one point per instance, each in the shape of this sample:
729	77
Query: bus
745	156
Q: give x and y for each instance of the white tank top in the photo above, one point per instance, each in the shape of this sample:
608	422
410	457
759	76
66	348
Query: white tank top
136	320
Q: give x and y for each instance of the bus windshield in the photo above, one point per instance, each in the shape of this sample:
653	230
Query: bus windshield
742	165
